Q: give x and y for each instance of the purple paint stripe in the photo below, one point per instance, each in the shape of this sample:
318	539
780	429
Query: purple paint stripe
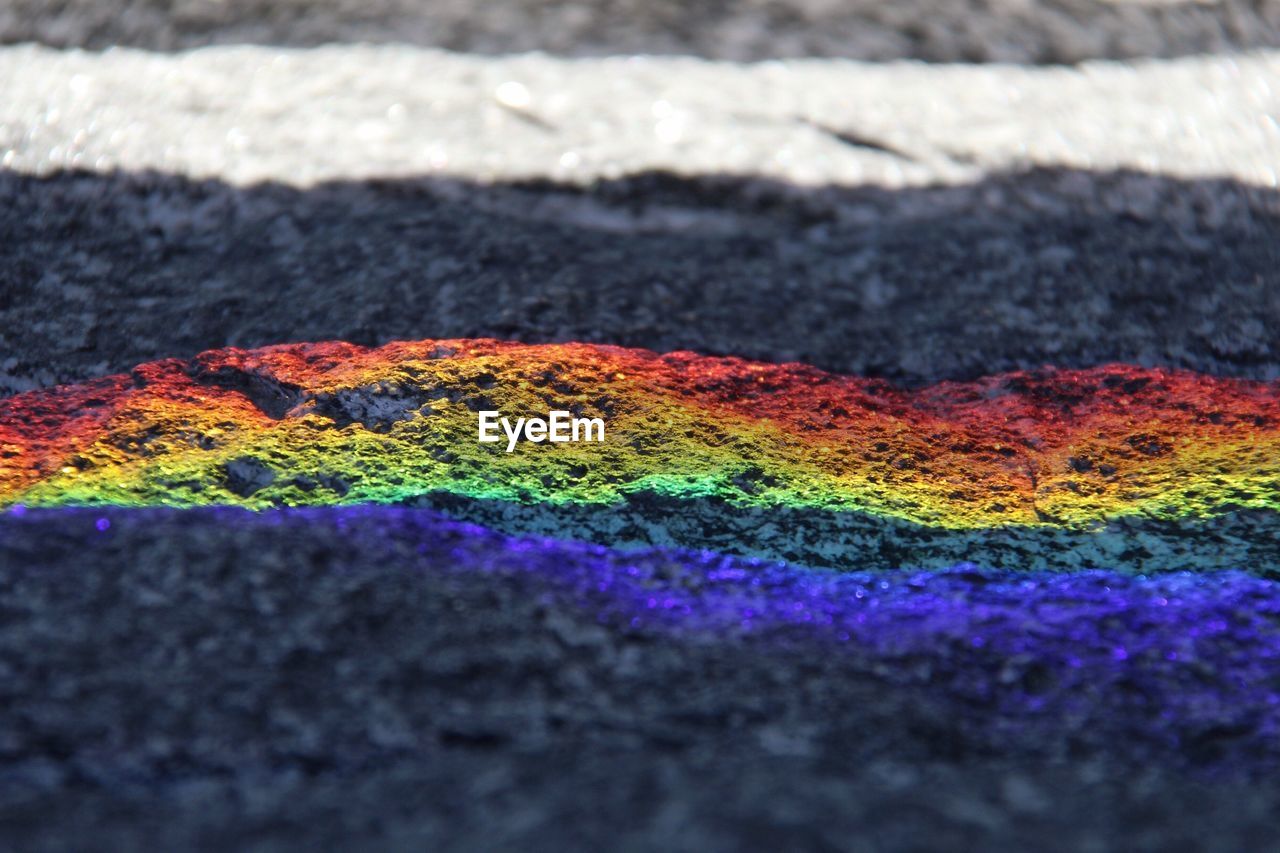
1176	657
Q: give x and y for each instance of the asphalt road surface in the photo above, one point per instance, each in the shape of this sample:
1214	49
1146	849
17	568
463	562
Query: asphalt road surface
185	681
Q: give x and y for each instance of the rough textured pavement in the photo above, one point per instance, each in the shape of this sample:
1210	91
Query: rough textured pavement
1054	31
188	683
293	687
905	221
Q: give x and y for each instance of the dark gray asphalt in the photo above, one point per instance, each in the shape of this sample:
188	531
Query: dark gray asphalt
194	684
186	683
181	682
99	273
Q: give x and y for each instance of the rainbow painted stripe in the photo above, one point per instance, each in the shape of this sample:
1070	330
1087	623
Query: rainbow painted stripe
335	423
